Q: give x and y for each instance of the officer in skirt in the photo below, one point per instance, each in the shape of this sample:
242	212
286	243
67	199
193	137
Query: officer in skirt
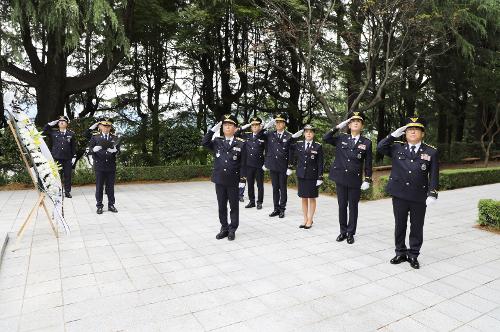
307	156
228	174
412	184
63	148
353	157
103	147
255	145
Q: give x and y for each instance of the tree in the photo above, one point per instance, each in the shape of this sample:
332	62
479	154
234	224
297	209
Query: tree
50	32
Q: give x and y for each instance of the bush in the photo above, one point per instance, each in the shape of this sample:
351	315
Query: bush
457	178
489	213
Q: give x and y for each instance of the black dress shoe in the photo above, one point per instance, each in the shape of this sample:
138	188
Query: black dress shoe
414	262
282	214
308	226
302	226
68	195
350	238
250	205
398	259
112	208
99	210
274	213
259	206
341	237
231	236
221	235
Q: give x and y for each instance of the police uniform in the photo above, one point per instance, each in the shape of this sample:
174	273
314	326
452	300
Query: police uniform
63	150
308	157
414	177
353	157
228	172
276	160
104	165
255	145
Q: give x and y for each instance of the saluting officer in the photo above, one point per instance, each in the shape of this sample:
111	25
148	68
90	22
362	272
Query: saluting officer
412	184
308	157
228	174
255	145
276	161
63	148
353	155
103	147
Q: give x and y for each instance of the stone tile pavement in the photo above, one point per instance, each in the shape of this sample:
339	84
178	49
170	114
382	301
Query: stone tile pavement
156	266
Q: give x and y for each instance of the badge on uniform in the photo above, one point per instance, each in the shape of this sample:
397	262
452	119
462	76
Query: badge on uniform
362	146
360	156
312	156
235	157
236	148
284	140
425	156
68	139
424	167
314	151
217	154
344	143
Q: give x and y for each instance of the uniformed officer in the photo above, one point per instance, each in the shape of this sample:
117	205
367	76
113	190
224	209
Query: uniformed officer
229	172
412	184
353	155
276	161
104	147
307	155
255	145
63	148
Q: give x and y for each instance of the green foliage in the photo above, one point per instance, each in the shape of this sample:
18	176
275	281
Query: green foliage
489	213
181	143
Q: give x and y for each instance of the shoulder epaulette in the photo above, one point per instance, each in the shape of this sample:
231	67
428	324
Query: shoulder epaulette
240	139
400	142
431	146
96	134
300	141
317	143
248	132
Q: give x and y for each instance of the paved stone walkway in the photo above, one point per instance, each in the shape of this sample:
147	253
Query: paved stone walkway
156	266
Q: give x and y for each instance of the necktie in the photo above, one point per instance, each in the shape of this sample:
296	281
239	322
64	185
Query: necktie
279	136
351	141
308	148
413	151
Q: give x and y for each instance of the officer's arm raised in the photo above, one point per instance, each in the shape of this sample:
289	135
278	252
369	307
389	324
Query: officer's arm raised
330	137
207	140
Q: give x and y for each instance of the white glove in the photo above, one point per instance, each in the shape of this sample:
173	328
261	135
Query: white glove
319	182
298	134
53	123
97	148
216	128
111	150
264	168
430	200
245	126
398	132
94	126
289	171
270	123
241	185
365	185
73	161
343	124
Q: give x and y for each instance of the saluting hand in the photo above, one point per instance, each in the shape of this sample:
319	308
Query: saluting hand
398	132
216	128
343	124
94	126
270	123
245	126
298	134
53	123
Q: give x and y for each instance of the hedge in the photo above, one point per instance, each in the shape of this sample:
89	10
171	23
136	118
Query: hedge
457	178
449	179
489	213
